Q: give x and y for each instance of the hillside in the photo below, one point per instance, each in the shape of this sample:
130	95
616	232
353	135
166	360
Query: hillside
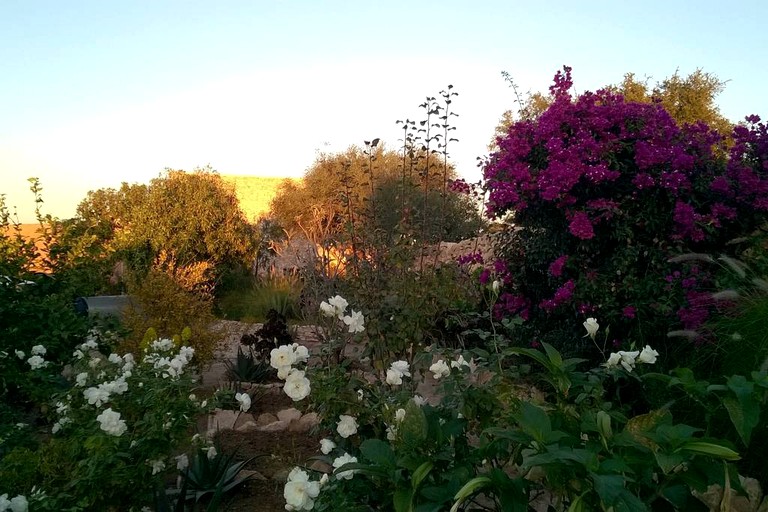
254	193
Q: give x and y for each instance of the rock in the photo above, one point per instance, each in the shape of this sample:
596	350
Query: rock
319	465
281	475
265	419
277	426
248	426
289	414
310	420
222	420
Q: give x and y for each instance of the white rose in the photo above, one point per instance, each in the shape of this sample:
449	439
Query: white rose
162	345
38	350
157	466
296	386
459	362
300	353
96	396
244	400
394	378
402	368
282	356
182	462
327	310
591	326
340	461
19	504
327	446
399	415
299	492
613	360
628	359
340	304
440	369
283	372
356	322
81	379
111	423
37	362
346	426
648	355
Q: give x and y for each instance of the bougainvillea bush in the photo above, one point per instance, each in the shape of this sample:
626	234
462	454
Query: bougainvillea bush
602	193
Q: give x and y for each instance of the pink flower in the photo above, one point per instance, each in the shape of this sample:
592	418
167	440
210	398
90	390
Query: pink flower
629	312
581	226
556	267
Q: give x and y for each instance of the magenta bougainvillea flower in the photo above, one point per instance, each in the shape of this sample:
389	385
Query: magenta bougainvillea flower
613	189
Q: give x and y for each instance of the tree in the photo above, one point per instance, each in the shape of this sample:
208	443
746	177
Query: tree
193	216
374	190
688	100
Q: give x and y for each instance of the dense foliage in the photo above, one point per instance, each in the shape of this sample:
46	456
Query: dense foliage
374	191
602	193
194	217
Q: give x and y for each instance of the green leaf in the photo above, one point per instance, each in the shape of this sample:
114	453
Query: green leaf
611	490
534	421
378	452
668	461
711	449
414	427
420	474
468	490
744	410
402	499
533	354
554	356
679	495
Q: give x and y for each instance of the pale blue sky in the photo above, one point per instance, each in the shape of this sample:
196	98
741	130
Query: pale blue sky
93	93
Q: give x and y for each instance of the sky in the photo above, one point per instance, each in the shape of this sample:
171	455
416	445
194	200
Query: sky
96	93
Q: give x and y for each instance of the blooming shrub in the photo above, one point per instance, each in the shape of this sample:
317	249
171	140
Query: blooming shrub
115	432
578	441
602	192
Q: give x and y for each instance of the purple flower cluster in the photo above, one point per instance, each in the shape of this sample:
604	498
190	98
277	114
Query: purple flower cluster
617	188
556	267
581	226
562	296
596	152
470	259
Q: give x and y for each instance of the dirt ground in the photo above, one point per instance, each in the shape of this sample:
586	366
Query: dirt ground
273	453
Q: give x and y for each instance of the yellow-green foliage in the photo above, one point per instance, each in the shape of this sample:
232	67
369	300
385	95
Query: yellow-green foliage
162	304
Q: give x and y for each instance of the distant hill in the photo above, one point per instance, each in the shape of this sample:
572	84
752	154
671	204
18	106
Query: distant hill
254	193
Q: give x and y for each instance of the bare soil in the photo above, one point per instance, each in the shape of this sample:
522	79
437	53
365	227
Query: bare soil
274	455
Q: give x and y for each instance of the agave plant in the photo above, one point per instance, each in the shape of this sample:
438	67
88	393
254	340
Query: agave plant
248	368
214	475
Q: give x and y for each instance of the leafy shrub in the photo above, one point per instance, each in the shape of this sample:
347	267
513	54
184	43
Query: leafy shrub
165	304
602	192
486	440
252	298
114	431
